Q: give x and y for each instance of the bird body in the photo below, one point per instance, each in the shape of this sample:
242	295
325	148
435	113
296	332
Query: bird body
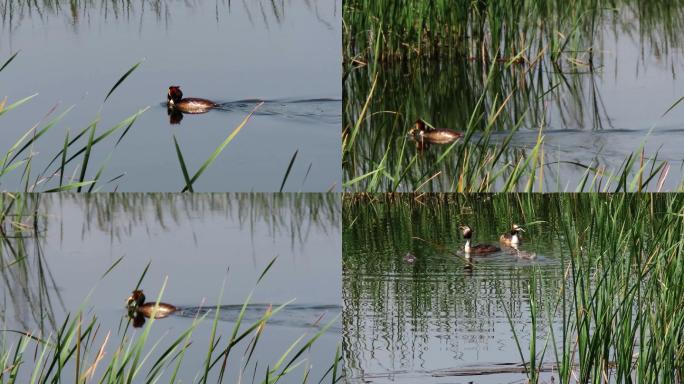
514	236
136	304
479	249
422	133
176	102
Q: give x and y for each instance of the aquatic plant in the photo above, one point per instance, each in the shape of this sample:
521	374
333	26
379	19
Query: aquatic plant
566	33
13	13
54	177
121	214
622	301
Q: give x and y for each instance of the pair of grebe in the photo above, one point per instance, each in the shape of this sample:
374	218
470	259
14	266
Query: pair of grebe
511	239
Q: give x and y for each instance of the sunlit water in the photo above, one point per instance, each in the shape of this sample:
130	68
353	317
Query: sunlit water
590	118
209	250
433	320
285	53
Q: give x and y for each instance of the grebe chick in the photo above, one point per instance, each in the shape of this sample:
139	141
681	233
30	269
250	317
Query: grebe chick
136	304
410	258
527	255
480	249
175	101
512	237
421	132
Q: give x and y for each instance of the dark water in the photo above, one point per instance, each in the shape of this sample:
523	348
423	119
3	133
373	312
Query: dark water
203	246
432	320
234	53
591	117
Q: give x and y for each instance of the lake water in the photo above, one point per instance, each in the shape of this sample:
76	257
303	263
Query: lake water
286	53
203	246
433	320
591	116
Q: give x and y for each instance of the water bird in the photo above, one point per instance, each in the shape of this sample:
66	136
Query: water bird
423	133
136	305
410	258
480	249
514	236
176	102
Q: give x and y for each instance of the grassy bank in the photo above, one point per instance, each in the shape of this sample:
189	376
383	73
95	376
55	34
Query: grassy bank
566	33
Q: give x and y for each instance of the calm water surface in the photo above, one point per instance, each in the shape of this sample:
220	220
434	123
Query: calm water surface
199	244
235	53
589	117
428	320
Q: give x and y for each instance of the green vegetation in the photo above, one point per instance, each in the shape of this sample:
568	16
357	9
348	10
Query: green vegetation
493	70
610	312
71	159
13	13
489	30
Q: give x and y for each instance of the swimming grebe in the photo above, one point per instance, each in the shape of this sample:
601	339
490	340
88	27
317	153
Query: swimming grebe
176	102
512	237
423	133
136	304
477	249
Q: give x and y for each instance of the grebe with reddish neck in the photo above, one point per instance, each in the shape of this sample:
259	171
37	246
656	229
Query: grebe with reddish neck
175	101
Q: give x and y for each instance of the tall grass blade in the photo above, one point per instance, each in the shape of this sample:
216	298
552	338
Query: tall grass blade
184	168
219	149
86	156
9	60
121	80
16	104
289	168
672	106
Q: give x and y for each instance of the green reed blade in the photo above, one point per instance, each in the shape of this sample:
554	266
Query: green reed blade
111	268
16	104
9	60
672	106
219	149
121	80
184	168
265	271
86	156
70	186
289	168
